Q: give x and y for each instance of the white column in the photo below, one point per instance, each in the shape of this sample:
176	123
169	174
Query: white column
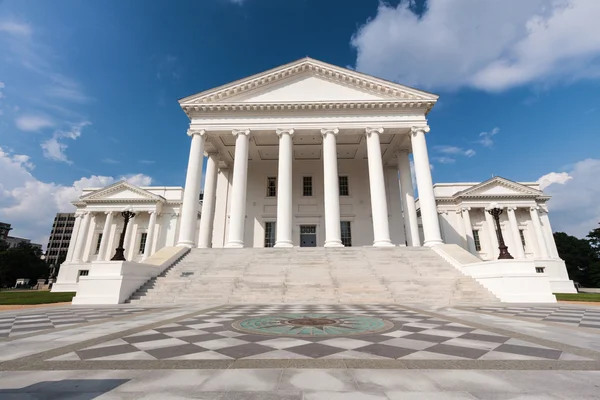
191	194
492	235
74	237
238	191
547	229
539	233
129	241
208	203
284	189
379	209
468	230
429	216
408	199
331	189
105	236
150	235
514	227
82	237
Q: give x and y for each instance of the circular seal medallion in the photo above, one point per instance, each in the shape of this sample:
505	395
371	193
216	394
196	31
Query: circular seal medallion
312	325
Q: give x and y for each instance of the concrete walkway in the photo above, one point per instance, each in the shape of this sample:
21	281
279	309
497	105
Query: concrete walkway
301	352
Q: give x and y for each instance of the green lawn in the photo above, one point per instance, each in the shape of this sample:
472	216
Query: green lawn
34	297
578	296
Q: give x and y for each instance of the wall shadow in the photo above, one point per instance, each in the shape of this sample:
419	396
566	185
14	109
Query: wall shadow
80	389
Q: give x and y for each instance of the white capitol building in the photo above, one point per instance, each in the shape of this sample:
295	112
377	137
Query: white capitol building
309	154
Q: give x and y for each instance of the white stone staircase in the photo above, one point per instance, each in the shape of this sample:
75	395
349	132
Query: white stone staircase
313	275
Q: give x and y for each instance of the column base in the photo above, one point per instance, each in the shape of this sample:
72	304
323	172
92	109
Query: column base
234	245
186	244
333	244
431	243
383	244
284	244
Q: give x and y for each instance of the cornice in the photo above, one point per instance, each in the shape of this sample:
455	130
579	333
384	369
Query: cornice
274	107
317	68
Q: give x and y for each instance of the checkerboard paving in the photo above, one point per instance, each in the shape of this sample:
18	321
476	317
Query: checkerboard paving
414	336
574	316
24	323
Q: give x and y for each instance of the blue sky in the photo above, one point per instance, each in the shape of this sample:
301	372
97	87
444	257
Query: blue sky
89	89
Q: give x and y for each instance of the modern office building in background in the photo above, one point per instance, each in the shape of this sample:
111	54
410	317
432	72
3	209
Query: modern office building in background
58	243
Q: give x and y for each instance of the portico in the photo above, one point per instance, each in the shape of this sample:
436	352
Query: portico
309	145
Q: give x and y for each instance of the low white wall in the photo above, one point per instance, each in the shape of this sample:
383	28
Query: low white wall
558	276
512	281
113	282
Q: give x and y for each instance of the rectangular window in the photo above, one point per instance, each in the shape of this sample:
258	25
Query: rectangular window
346	233
269	234
307	188
522	235
271	186
98	243
344	189
82	272
143	242
476	240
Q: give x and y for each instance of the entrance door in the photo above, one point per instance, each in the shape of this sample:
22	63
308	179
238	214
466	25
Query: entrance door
308	236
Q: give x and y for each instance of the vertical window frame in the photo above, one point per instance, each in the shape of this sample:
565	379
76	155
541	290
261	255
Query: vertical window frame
346	234
307	186
344	185
143	240
476	240
271	186
270	229
98	242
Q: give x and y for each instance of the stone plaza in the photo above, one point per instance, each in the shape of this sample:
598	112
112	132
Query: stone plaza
301	352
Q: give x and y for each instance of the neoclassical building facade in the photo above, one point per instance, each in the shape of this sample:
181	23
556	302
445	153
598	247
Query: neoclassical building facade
309	154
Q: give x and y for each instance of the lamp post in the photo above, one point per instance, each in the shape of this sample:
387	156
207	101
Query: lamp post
495	212
120	251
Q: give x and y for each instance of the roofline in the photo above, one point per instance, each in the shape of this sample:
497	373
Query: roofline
298	61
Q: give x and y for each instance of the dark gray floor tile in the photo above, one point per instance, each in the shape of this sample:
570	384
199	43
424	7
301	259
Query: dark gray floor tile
244	350
173	329
146	338
204	337
529	351
485	338
255	338
315	350
106	351
458	351
426	338
175	351
384	350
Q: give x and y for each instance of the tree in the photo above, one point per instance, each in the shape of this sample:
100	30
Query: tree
594	240
22	261
583	264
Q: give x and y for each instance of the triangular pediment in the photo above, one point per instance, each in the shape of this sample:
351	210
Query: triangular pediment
499	187
121	191
308	80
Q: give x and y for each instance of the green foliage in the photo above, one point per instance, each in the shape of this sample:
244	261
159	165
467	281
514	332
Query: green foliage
34	297
22	261
594	239
578	296
581	258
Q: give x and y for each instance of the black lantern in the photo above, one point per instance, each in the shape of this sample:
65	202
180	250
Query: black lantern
504	254
120	251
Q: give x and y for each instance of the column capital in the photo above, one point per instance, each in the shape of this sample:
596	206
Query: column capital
370	131
416	129
152	212
236	132
441	211
280	132
108	212
465	208
333	131
193	131
511	208
494	205
534	208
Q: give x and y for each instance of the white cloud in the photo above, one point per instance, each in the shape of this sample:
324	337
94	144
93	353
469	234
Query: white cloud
110	161
54	148
485	138
444	160
238	2
574	207
2	86
30	204
487	45
15	28
33	123
453	150
553	177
